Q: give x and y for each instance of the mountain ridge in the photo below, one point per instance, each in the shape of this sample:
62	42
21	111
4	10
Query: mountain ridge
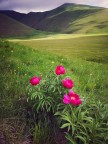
62	18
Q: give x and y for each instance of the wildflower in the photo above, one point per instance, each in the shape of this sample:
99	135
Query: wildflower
72	98
60	70
75	99
35	80
68	83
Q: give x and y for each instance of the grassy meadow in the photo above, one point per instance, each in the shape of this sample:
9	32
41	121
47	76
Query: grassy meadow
87	47
85	59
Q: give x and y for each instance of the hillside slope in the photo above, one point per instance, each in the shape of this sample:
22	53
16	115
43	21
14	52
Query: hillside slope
76	19
93	23
67	18
60	18
11	27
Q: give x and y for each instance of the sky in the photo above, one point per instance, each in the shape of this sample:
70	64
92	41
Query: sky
26	6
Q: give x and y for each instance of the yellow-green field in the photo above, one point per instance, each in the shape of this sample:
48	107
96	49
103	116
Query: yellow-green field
90	47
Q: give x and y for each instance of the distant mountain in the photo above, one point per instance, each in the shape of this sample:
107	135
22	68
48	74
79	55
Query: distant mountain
64	18
11	27
29	19
67	18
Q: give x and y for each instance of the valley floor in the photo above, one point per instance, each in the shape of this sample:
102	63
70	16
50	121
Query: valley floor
59	36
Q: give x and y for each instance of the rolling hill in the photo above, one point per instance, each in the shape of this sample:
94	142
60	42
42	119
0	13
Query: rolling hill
94	23
10	27
72	18
67	18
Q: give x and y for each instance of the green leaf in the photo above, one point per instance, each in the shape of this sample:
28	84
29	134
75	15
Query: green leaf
70	139
83	139
66	125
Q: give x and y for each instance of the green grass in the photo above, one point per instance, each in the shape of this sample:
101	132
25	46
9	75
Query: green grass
19	63
34	35
90	48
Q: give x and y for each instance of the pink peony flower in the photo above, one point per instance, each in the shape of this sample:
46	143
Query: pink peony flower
66	99
35	80
72	98
75	99
60	70
68	83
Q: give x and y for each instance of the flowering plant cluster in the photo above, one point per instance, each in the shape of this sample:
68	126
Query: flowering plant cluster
53	100
71	97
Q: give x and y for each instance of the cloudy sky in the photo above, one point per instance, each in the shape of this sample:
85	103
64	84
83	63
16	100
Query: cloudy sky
44	5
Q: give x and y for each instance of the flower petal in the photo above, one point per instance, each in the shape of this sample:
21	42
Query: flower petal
66	99
71	92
